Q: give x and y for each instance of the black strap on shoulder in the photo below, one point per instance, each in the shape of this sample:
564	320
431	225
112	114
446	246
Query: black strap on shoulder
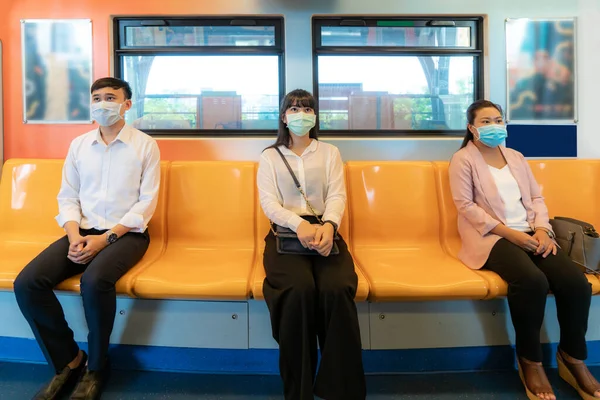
289	168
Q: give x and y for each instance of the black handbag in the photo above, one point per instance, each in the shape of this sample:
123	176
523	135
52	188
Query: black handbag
580	241
286	239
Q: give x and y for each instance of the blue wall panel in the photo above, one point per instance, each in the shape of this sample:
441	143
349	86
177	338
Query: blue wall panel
543	140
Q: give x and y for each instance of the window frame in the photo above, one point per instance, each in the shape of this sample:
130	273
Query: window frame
476	50
120	50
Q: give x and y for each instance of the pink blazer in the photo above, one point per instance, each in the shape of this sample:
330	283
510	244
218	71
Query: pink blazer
480	207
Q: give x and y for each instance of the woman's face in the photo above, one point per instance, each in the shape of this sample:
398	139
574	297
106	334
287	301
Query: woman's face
295	109
483	117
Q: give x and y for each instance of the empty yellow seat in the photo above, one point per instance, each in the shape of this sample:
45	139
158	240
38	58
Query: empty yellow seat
258	277
28	206
395	234
571	188
451	239
210	227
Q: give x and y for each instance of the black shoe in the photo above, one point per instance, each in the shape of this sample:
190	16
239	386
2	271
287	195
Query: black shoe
62	382
91	384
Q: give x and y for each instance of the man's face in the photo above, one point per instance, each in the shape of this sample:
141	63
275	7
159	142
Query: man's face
112	95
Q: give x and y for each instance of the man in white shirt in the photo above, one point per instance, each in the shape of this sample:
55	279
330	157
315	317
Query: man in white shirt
108	194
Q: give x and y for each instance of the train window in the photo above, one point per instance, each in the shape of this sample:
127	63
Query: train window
208	75
396	75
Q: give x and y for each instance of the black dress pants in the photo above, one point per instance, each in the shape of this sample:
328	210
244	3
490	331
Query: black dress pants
38	303
529	278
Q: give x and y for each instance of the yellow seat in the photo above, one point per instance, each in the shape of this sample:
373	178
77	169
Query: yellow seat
210	234
27	209
449	230
157	229
570	189
395	234
258	270
451	239
258	275
28	206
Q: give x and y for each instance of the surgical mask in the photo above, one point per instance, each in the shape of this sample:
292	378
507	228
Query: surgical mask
106	113
492	135
300	123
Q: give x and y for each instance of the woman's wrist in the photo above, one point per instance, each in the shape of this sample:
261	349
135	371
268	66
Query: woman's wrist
548	232
333	224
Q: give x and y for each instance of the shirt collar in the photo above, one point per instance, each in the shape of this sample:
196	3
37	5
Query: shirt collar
312	147
123	136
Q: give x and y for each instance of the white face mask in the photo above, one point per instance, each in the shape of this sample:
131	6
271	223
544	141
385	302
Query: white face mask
106	113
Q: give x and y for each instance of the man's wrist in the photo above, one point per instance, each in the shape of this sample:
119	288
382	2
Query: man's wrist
111	237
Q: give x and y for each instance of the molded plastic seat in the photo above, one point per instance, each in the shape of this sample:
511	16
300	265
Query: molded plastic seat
28	206
395	232
158	232
259	275
210	224
451	239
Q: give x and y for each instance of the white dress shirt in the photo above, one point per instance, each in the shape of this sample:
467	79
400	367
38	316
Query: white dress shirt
320	172
105	185
508	188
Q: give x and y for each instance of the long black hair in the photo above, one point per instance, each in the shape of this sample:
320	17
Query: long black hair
472	113
300	98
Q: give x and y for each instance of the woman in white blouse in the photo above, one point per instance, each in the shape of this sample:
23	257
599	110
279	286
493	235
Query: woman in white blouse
310	297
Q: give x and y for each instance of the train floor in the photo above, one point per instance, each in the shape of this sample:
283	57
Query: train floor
21	381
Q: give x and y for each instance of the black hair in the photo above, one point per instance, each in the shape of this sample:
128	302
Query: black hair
471	114
113	83
300	98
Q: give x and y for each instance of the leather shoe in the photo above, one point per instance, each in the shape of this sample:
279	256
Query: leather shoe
62	382
91	384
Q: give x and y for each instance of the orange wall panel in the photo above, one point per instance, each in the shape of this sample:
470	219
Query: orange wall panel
52	141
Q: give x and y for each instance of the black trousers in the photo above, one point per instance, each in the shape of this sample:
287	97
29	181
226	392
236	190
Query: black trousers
529	277
312	297
38	303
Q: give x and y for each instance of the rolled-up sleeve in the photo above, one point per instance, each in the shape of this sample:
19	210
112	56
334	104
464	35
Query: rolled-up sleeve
69	205
142	211
267	190
461	185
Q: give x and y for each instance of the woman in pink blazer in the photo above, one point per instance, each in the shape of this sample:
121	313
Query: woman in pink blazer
504	227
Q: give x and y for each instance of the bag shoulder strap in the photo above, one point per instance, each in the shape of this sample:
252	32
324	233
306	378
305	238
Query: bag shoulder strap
298	186
289	168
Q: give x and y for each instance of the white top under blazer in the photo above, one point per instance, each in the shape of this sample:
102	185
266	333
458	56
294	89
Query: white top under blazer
516	215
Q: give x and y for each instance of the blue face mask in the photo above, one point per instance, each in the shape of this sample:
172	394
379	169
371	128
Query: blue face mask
492	135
